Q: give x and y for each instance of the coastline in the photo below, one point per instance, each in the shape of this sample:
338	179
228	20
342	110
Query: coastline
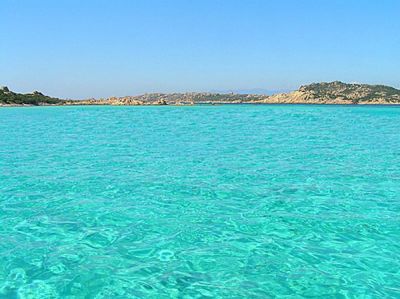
204	104
331	93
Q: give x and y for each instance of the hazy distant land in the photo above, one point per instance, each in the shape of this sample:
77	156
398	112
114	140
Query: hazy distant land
317	93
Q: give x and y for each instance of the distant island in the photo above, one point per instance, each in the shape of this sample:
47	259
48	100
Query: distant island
9	98
317	93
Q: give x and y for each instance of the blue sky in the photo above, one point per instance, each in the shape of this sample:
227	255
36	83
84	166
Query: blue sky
79	49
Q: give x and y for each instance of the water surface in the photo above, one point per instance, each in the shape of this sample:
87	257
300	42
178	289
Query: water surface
200	202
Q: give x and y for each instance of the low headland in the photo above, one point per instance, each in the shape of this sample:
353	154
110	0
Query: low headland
316	93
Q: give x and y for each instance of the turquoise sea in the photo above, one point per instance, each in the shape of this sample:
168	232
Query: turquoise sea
232	201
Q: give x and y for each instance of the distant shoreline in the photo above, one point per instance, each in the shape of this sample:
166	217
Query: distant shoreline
325	93
203	104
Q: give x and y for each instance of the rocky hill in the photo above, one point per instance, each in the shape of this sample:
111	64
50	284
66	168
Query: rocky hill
191	98
9	98
339	93
316	93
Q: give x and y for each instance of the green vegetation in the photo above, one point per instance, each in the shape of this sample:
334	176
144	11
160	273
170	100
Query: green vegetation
36	98
356	93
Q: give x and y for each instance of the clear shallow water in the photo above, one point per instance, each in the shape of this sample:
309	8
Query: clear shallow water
200	202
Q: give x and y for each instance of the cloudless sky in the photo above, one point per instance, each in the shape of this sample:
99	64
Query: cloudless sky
80	49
